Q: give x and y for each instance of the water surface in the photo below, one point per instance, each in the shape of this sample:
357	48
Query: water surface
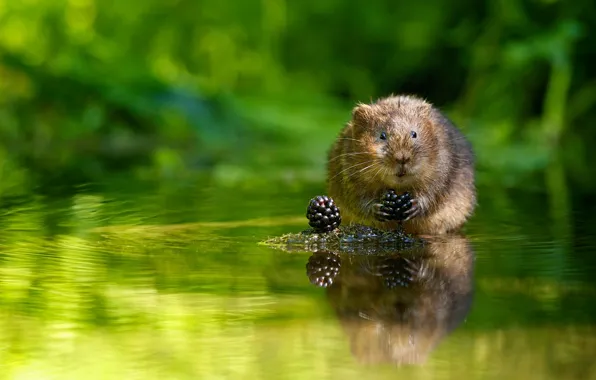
166	280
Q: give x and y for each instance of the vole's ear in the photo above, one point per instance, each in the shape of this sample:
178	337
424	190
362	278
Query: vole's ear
361	114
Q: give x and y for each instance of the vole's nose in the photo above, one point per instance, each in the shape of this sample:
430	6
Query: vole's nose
402	159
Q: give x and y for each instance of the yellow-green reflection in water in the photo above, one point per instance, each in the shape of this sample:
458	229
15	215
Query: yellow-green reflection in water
108	286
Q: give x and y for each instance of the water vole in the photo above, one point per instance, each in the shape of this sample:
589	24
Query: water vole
405	144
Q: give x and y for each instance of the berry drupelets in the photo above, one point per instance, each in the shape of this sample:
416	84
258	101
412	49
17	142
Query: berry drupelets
397	272
323	214
396	205
322	267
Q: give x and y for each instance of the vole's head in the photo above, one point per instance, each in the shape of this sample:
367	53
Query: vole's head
399	134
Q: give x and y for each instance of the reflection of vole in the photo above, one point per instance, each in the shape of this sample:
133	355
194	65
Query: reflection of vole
405	144
396	309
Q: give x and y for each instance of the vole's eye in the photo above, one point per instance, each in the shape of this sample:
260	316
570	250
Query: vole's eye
413	134
383	136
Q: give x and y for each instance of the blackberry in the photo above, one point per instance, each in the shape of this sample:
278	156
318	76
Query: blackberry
322	267
396	272
396	205
323	214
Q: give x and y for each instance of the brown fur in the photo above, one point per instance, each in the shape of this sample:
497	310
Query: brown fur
439	164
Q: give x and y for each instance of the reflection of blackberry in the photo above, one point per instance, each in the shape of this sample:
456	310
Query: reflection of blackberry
322	267
323	214
396	272
395	205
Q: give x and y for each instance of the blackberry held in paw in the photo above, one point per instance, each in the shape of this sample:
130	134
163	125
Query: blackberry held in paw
394	206
406	144
323	214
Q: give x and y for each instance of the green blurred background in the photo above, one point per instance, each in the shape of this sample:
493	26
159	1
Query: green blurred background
256	90
158	273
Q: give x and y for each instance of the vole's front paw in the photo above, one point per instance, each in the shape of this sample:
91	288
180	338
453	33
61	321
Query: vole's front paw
412	211
380	212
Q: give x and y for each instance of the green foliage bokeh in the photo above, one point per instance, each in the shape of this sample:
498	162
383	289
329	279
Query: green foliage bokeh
91	86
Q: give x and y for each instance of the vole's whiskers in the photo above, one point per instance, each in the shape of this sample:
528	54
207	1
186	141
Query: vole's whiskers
351	167
373	165
379	171
386	171
347	154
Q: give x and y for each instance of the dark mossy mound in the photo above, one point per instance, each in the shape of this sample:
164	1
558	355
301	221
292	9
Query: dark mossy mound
346	239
